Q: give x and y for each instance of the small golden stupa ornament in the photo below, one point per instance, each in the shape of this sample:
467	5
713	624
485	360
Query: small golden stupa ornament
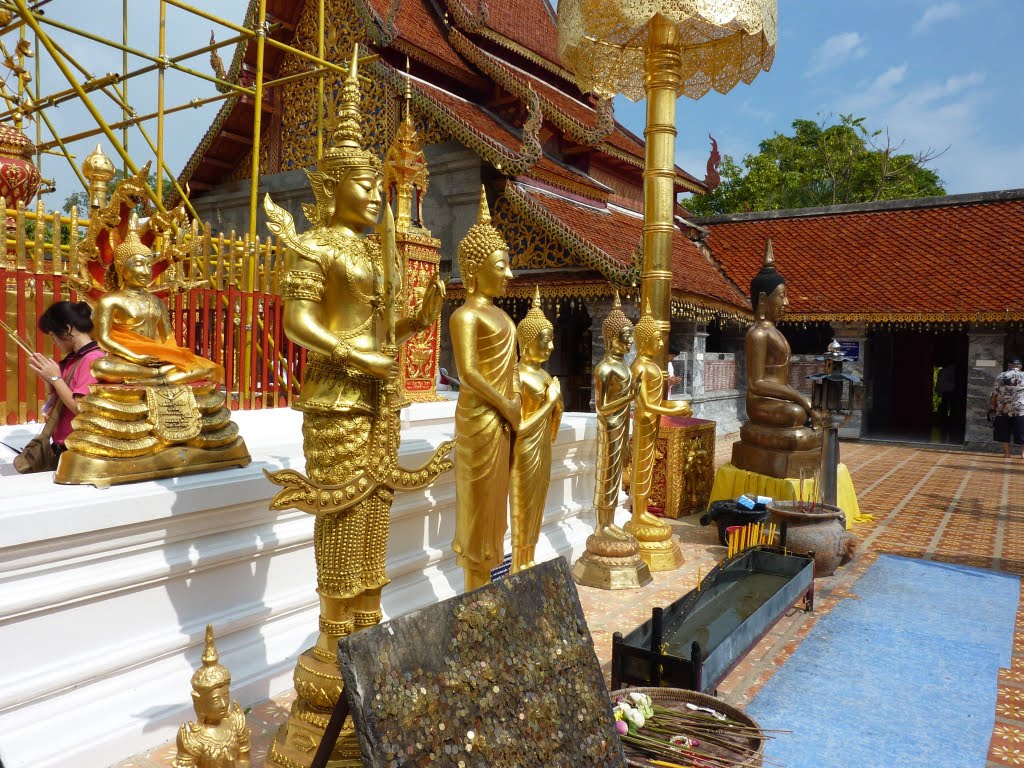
219	737
99	172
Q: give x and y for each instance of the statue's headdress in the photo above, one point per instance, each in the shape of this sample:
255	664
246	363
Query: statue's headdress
768	279
615	321
531	325
648	327
131	245
212	673
481	241
346	151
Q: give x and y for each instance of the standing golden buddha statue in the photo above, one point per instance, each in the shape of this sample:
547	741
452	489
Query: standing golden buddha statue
658	548
612	560
488	411
219	737
341	293
538	428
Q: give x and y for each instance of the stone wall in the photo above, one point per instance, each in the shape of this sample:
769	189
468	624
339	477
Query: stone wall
984	362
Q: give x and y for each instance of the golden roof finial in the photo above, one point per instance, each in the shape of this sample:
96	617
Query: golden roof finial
211	674
484	214
99	170
346	149
408	92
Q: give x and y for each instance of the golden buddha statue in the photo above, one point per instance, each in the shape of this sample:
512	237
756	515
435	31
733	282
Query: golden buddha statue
157	410
341	292
489	407
776	439
219	737
612	560
538	429
657	546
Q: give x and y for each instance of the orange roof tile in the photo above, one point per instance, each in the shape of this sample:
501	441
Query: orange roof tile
617	233
932	258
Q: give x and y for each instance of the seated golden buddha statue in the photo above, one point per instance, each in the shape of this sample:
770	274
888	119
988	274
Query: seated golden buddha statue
776	439
219	737
157	410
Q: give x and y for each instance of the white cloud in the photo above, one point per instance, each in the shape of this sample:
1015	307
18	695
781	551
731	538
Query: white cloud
934	14
937	115
835	52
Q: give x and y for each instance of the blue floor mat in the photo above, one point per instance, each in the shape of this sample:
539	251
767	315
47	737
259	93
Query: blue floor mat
903	677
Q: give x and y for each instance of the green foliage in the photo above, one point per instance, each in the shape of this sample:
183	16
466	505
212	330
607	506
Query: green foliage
820	164
81	198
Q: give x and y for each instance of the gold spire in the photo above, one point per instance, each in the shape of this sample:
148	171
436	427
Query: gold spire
346	151
99	171
211	674
408	92
616	302
483	216
769	255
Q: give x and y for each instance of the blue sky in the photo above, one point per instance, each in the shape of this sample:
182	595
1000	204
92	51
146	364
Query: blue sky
936	73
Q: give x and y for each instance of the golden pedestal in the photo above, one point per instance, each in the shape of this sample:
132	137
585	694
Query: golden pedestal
732	482
126	433
684	467
611	565
318	685
659	548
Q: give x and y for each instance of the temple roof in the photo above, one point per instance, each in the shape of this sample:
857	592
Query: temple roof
957	258
607	239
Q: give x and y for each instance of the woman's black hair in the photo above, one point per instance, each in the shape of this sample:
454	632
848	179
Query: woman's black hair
62	314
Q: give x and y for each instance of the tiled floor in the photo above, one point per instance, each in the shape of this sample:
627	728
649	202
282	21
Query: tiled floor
942	505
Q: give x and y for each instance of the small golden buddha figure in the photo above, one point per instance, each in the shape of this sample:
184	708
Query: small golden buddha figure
157	409
775	440
340	304
219	737
490	403
133	326
612	560
538	429
657	547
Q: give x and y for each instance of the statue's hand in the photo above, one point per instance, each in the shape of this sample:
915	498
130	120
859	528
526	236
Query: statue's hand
146	360
375	363
554	390
513	412
430	306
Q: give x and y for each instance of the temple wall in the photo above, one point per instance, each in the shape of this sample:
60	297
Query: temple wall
105	594
984	362
227	206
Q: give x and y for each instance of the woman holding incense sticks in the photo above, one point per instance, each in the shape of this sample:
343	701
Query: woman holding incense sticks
69	324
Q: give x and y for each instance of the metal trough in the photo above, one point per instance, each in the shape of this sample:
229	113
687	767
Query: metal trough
697	640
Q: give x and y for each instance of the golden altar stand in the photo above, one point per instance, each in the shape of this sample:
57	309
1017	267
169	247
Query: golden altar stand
683	466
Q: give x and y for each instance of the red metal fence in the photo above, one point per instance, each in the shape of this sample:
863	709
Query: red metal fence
235	319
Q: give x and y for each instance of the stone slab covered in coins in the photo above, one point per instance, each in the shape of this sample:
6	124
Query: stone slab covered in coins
505	675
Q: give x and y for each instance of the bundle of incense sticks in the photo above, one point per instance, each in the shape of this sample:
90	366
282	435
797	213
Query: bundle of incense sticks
752	535
815	501
17	339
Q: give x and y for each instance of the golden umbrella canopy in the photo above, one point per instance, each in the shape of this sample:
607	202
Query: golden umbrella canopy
605	42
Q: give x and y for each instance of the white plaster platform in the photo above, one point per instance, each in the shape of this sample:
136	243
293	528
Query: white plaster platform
104	594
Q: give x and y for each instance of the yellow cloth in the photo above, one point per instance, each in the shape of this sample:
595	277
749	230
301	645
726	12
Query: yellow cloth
166	351
731	483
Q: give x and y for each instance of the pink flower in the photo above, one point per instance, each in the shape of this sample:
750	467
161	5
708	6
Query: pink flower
621	727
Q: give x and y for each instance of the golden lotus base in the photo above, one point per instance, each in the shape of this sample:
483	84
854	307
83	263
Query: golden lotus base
80	469
662	555
318	684
593	570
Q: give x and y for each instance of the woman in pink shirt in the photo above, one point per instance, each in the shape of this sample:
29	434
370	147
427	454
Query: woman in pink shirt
69	325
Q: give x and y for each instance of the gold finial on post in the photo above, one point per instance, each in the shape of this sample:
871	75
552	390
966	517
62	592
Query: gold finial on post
99	171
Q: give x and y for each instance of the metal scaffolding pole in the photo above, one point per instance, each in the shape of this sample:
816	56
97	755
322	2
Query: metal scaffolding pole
161	74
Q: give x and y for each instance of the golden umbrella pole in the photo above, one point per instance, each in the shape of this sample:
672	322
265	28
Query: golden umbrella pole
661	84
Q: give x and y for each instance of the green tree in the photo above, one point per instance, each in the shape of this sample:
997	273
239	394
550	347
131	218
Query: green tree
820	164
81	198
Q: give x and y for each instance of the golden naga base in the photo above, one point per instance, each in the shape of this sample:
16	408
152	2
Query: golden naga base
611	564
127	433
658	547
318	684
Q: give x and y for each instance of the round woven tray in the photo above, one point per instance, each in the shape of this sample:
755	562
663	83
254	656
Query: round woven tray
676	698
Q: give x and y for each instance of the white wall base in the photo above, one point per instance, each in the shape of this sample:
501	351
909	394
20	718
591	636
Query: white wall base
105	594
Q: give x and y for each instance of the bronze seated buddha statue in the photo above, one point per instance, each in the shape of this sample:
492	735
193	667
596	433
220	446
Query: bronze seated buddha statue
776	439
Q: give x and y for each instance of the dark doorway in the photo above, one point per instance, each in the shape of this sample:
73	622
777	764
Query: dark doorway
917	385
